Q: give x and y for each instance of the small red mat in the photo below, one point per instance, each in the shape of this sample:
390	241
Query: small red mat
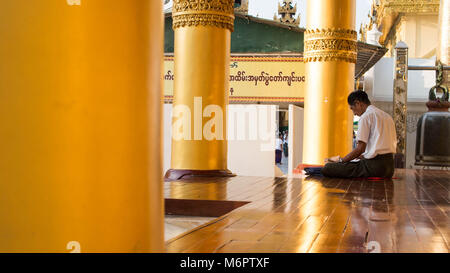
375	178
303	166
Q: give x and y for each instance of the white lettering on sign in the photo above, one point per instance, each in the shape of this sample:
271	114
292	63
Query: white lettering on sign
373	247
75	246
74	2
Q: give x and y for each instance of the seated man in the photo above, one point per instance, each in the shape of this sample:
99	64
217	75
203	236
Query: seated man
376	143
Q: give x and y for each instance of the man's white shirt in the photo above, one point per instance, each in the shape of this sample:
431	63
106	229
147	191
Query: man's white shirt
278	144
376	128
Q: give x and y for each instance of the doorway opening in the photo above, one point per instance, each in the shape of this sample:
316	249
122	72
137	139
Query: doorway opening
282	141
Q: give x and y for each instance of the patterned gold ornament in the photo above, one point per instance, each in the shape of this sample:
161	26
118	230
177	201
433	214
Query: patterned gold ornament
330	45
217	13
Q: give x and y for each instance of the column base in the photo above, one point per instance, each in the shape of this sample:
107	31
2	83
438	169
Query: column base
173	174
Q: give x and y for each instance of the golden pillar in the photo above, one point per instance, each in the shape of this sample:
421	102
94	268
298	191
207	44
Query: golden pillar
80	131
330	57
443	52
202	59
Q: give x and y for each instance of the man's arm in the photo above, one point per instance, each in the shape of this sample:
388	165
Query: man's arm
359	150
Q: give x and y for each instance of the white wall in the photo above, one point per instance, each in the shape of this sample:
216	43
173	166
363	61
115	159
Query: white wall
421	34
252	157
246	157
295	141
379	80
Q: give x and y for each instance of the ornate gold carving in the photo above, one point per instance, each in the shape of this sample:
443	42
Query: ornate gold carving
330	45
386	14
217	13
216	20
387	7
243	8
400	95
328	33
287	12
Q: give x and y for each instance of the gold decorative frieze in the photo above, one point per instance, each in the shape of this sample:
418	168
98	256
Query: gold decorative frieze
389	7
330	45
217	13
387	15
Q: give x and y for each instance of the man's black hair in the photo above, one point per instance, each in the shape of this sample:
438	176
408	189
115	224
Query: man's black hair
358	95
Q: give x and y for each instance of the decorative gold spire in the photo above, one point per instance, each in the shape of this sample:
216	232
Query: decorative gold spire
287	12
243	8
362	33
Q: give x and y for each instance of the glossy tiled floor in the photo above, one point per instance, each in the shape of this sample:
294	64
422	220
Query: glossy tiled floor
284	164
317	214
175	225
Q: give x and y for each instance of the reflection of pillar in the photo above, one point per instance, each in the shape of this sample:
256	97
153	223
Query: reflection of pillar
400	100
211	191
202	59
80	136
330	56
443	52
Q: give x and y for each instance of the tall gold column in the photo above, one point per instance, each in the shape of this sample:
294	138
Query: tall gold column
330	57
80	131
202	58
443	51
